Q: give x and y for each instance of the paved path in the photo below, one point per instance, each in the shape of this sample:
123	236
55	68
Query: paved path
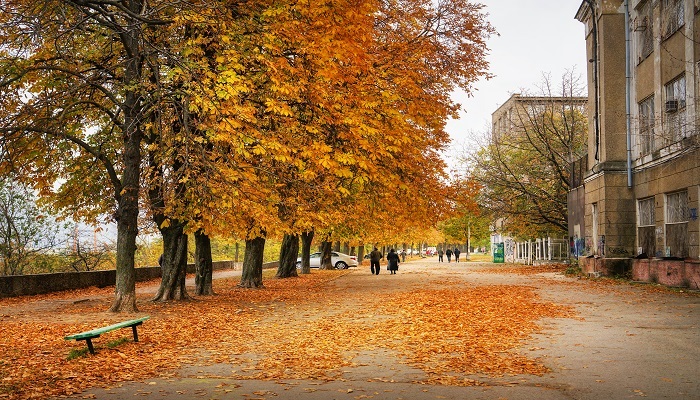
629	342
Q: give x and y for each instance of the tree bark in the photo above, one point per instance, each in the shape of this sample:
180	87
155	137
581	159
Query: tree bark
326	256
203	265
127	194
251	276
306	239
360	254
288	257
125	285
172	284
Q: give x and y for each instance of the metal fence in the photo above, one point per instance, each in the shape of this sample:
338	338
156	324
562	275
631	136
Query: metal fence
536	251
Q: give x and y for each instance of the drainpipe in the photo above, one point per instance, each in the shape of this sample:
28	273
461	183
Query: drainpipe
628	90
594	60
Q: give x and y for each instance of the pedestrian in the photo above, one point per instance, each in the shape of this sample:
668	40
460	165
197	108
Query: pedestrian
403	255
440	253
456	254
392	260
374	258
448	253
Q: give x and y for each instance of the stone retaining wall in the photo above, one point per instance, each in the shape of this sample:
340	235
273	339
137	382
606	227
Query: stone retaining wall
679	273
25	285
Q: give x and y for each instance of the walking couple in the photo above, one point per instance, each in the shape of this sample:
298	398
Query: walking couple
392	259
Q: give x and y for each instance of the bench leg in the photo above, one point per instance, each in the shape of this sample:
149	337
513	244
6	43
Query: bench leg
136	335
90	347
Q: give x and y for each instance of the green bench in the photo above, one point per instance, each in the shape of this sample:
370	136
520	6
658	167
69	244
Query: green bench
89	335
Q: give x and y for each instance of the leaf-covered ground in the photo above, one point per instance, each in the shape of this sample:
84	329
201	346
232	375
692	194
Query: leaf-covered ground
311	327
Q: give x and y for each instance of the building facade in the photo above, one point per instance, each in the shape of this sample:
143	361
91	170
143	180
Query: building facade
637	202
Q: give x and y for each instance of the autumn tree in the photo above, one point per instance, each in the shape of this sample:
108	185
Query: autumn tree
525	172
25	230
95	73
73	92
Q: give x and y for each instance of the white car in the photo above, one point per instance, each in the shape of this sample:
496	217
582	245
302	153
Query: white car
338	260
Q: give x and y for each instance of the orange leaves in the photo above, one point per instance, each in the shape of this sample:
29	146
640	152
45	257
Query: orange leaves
311	327
467	330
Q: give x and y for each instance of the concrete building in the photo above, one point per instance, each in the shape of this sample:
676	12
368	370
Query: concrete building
519	111
636	207
509	122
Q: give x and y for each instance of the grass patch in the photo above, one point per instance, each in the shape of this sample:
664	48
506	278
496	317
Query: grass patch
479	258
573	270
115	343
75	353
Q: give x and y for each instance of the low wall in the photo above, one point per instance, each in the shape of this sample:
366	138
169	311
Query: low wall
605	266
679	273
25	285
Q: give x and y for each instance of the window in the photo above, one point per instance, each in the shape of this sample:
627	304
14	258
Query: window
675	127
644	26
646	212
677	207
673	16
677	224
675	92
646	126
646	229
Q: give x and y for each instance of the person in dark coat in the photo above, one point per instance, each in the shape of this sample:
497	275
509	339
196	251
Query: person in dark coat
393	261
374	258
448	253
456	254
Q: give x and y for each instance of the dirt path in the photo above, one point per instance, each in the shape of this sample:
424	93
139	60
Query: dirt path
625	341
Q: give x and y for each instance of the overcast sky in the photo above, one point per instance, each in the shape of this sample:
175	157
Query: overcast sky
536	37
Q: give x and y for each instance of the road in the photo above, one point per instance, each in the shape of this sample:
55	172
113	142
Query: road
626	341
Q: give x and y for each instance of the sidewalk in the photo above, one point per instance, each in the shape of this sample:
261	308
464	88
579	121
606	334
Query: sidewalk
624	342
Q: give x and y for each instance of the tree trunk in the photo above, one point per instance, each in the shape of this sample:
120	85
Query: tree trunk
128	194
237	253
306	239
125	285
360	254
203	265
288	257
326	256
251	276
469	240
172	284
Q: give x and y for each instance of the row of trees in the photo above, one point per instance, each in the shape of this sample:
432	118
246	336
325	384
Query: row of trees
245	119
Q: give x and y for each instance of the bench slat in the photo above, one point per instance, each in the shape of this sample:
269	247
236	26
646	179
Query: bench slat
97	332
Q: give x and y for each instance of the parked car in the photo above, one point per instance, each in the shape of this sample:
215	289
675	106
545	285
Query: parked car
338	260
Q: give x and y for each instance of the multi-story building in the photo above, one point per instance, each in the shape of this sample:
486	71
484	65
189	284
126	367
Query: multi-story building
637	205
521	122
519	111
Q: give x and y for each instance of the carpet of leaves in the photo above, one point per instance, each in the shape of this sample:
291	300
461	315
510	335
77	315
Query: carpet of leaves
298	328
520	269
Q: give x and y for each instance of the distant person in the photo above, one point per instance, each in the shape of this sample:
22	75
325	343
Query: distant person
456	254
403	255
440	253
448	253
374	257
393	261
